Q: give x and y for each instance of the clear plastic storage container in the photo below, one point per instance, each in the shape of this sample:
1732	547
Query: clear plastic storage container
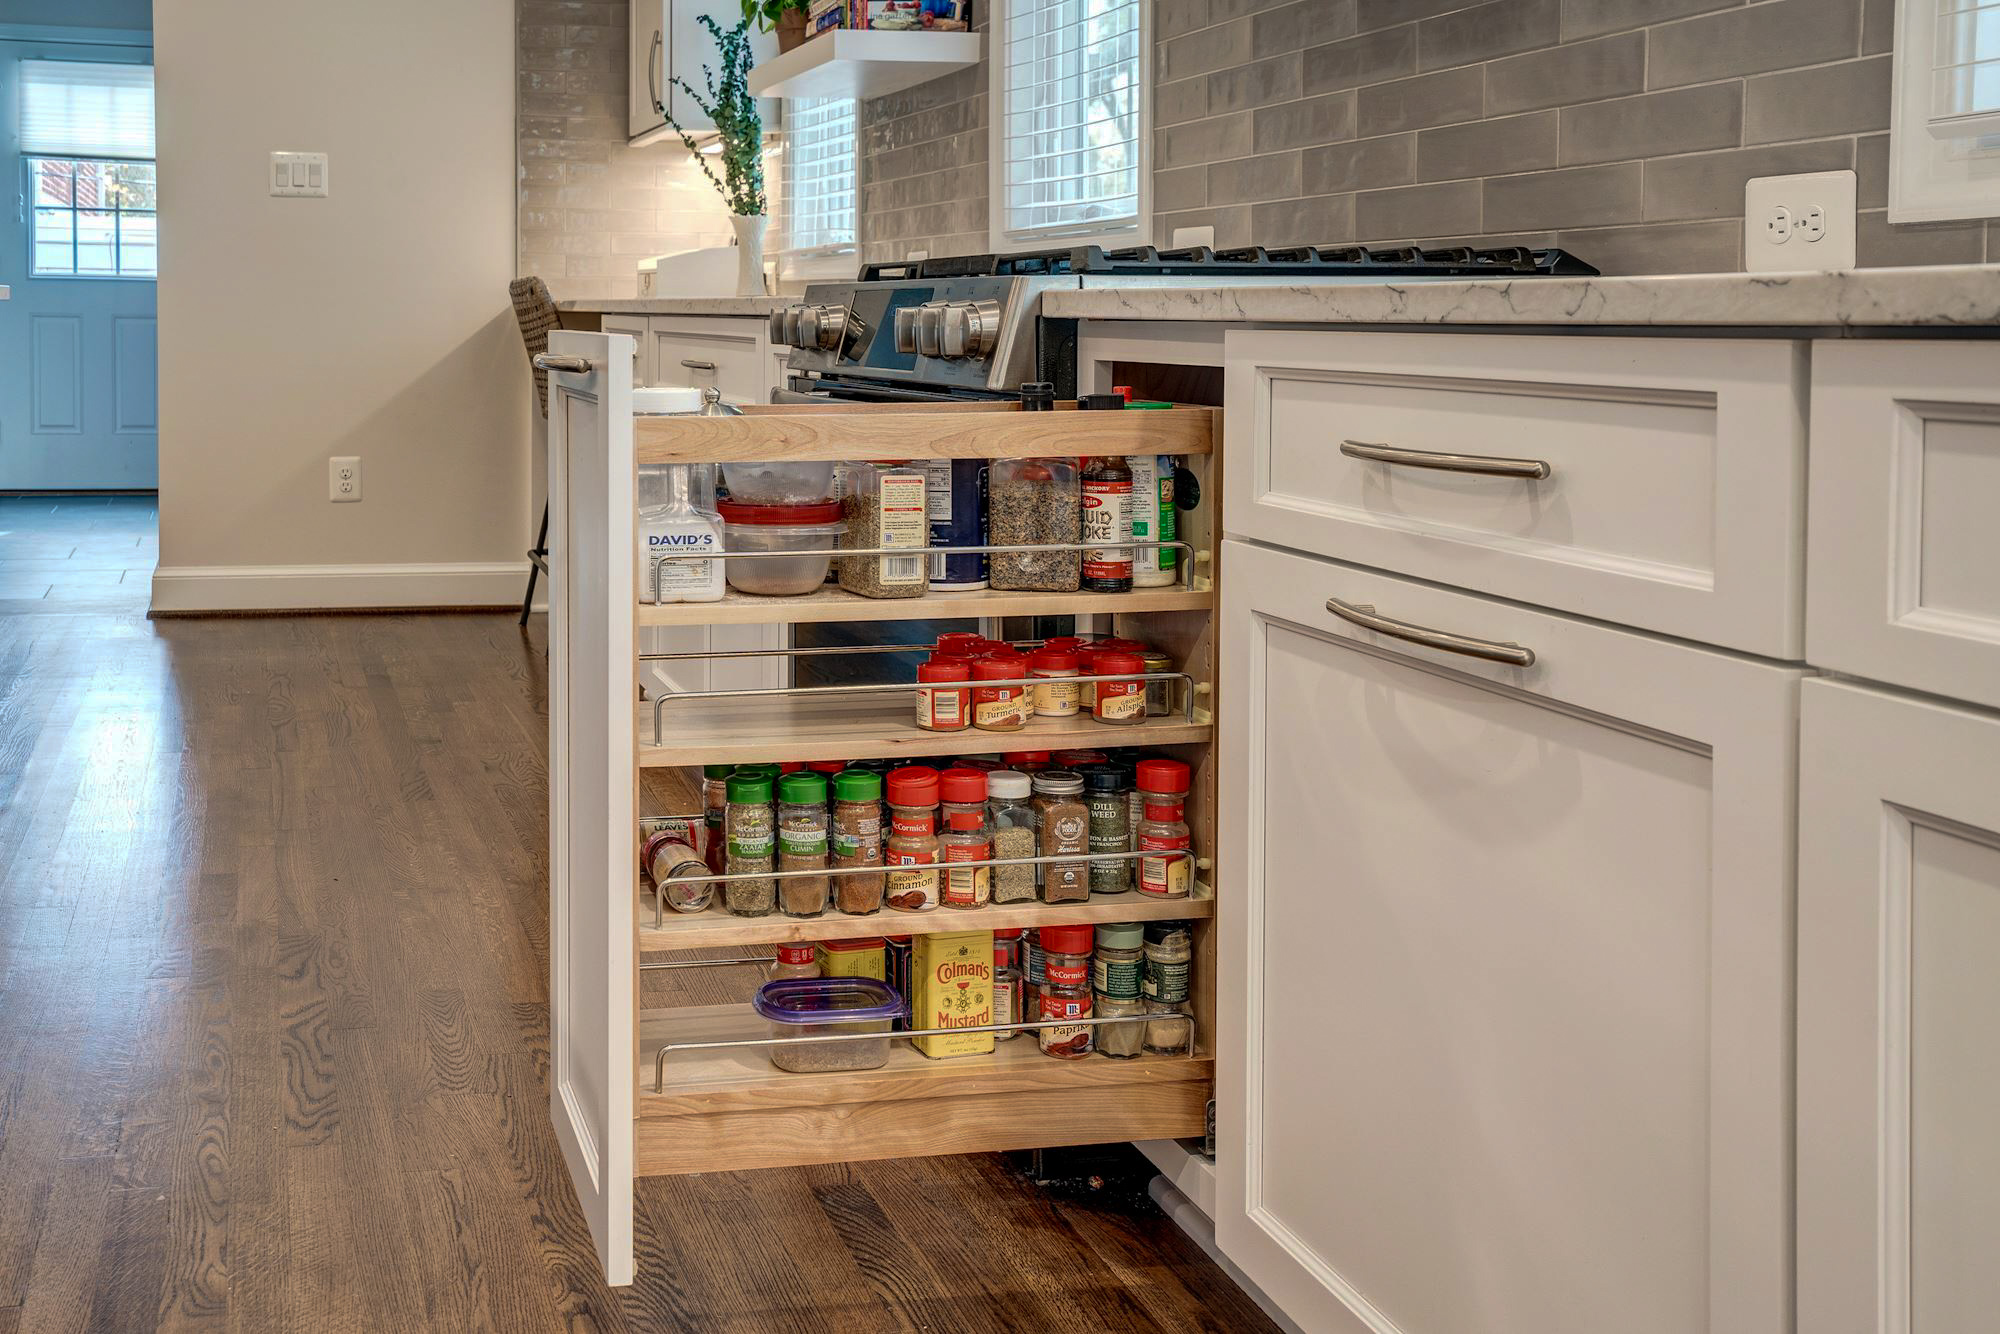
779	528
803	1007
767	483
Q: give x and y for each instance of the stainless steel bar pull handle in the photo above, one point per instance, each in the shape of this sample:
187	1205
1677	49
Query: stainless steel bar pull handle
1484	464
1363	615
694	365
549	361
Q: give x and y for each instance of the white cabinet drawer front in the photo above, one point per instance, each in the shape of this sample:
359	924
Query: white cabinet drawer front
1504	1036
1899	1061
1671	494
1903	582
735	347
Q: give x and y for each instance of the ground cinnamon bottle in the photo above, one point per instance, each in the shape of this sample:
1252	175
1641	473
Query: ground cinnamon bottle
913	799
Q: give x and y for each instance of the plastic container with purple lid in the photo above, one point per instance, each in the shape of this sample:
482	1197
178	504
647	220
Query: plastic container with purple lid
802	1007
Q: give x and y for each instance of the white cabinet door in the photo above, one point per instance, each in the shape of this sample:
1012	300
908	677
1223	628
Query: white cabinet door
1903	583
593	787
1504	997
648	64
1899	986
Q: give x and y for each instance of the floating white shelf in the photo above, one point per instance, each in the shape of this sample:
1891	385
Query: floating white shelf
864	64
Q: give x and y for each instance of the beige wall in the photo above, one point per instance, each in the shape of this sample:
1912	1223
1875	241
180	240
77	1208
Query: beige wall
374	322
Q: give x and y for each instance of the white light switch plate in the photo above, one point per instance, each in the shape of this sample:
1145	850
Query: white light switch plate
1798	223
300	175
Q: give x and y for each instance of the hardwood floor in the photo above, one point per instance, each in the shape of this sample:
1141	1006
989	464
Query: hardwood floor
273	1025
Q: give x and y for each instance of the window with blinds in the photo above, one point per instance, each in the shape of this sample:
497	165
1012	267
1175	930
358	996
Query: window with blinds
1944	123
81	109
1070	160
818	184
1965	69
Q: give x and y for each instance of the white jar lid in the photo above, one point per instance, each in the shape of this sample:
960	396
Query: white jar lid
655	401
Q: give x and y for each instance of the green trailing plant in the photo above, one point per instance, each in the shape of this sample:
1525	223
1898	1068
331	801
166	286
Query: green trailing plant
731	106
766	13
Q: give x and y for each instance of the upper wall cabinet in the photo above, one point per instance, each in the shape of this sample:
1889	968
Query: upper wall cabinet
1652	482
1904	573
668	39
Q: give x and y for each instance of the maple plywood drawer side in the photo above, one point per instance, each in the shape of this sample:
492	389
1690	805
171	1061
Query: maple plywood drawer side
1650	482
1904	581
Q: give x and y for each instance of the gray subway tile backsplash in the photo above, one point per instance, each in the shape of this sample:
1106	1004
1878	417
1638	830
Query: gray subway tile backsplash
1443	98
1825	99
1486	32
1684	120
1522	143
1780	34
1579	72
1570	197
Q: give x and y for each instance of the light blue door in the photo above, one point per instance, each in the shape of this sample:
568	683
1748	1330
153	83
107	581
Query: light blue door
78	338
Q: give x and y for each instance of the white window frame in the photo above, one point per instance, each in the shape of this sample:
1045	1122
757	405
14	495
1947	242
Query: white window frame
1004	242
836	261
1930	180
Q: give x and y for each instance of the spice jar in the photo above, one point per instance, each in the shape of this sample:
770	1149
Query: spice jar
1066	992
1057	699
1014	835
1122	1042
1104	787
1107	520
715	803
856	839
1170	1030
667	856
1165	783
1119	963
1064	823
1000	708
1159	694
1169	950
913	798
1077	759
1034	502
884	508
749	828
960	644
793	961
1007	940
968	837
802	843
1007	991
1086	691
943	710
1121	702
1026	761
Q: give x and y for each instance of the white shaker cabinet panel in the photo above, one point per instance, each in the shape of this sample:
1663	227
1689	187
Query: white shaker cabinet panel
1899	987
730	352
648	63
1904	577
634	327
1653	482
1504	1037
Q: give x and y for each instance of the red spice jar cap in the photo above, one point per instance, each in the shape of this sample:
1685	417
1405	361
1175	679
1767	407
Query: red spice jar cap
1009	932
791	766
1051	660
1000	667
960	643
915	786
1077	939
945	669
988	646
1066	643
827	766
1116	662
1016	758
1169	776
963	785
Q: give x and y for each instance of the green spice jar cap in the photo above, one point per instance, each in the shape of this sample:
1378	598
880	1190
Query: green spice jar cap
857	785
750	788
803	789
717	770
1121	935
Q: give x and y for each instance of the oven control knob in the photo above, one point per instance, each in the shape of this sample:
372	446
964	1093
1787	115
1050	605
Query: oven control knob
971	330
930	330
790	334
778	328
821	327
906	330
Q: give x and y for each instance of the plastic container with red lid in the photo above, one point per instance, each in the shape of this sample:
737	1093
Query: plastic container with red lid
780	528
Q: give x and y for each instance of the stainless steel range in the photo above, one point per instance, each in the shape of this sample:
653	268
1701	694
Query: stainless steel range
969	327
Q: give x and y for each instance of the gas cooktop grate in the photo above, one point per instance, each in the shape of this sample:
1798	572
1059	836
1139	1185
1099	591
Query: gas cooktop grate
1247	261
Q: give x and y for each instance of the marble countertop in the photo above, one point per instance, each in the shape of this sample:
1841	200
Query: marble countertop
1943	296
759	307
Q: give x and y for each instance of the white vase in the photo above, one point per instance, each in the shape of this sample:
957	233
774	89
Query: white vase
749	253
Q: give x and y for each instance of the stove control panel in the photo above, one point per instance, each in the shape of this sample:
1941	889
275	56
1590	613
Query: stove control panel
810	326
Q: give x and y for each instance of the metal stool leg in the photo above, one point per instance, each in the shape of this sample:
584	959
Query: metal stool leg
538	563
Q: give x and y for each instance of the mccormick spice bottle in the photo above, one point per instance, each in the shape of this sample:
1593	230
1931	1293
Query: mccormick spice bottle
1057	699
944	710
913	798
1000	708
968	837
1165	783
1120	702
1066	994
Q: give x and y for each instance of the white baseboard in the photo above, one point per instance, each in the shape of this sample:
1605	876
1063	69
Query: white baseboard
193	588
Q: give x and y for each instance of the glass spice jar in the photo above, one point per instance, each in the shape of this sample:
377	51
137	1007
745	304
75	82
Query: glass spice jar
944	710
1119	963
1007	990
666	856
1064	823
1000	708
1014	834
1119	702
1110	827
968	837
856	840
1035	503
1066	992
1159	694
1086	691
802	843
1165	783
1057	699
913	798
1121	1042
715	806
793	961
1170	1029
750	830
1169	950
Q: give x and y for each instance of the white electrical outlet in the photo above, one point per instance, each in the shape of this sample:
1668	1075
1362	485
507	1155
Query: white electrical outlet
299	175
1185	238
343	479
1795	223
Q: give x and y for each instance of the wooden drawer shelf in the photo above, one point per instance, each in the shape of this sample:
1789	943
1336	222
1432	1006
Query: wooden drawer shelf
859	727
729	1110
687	931
921	431
834	605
